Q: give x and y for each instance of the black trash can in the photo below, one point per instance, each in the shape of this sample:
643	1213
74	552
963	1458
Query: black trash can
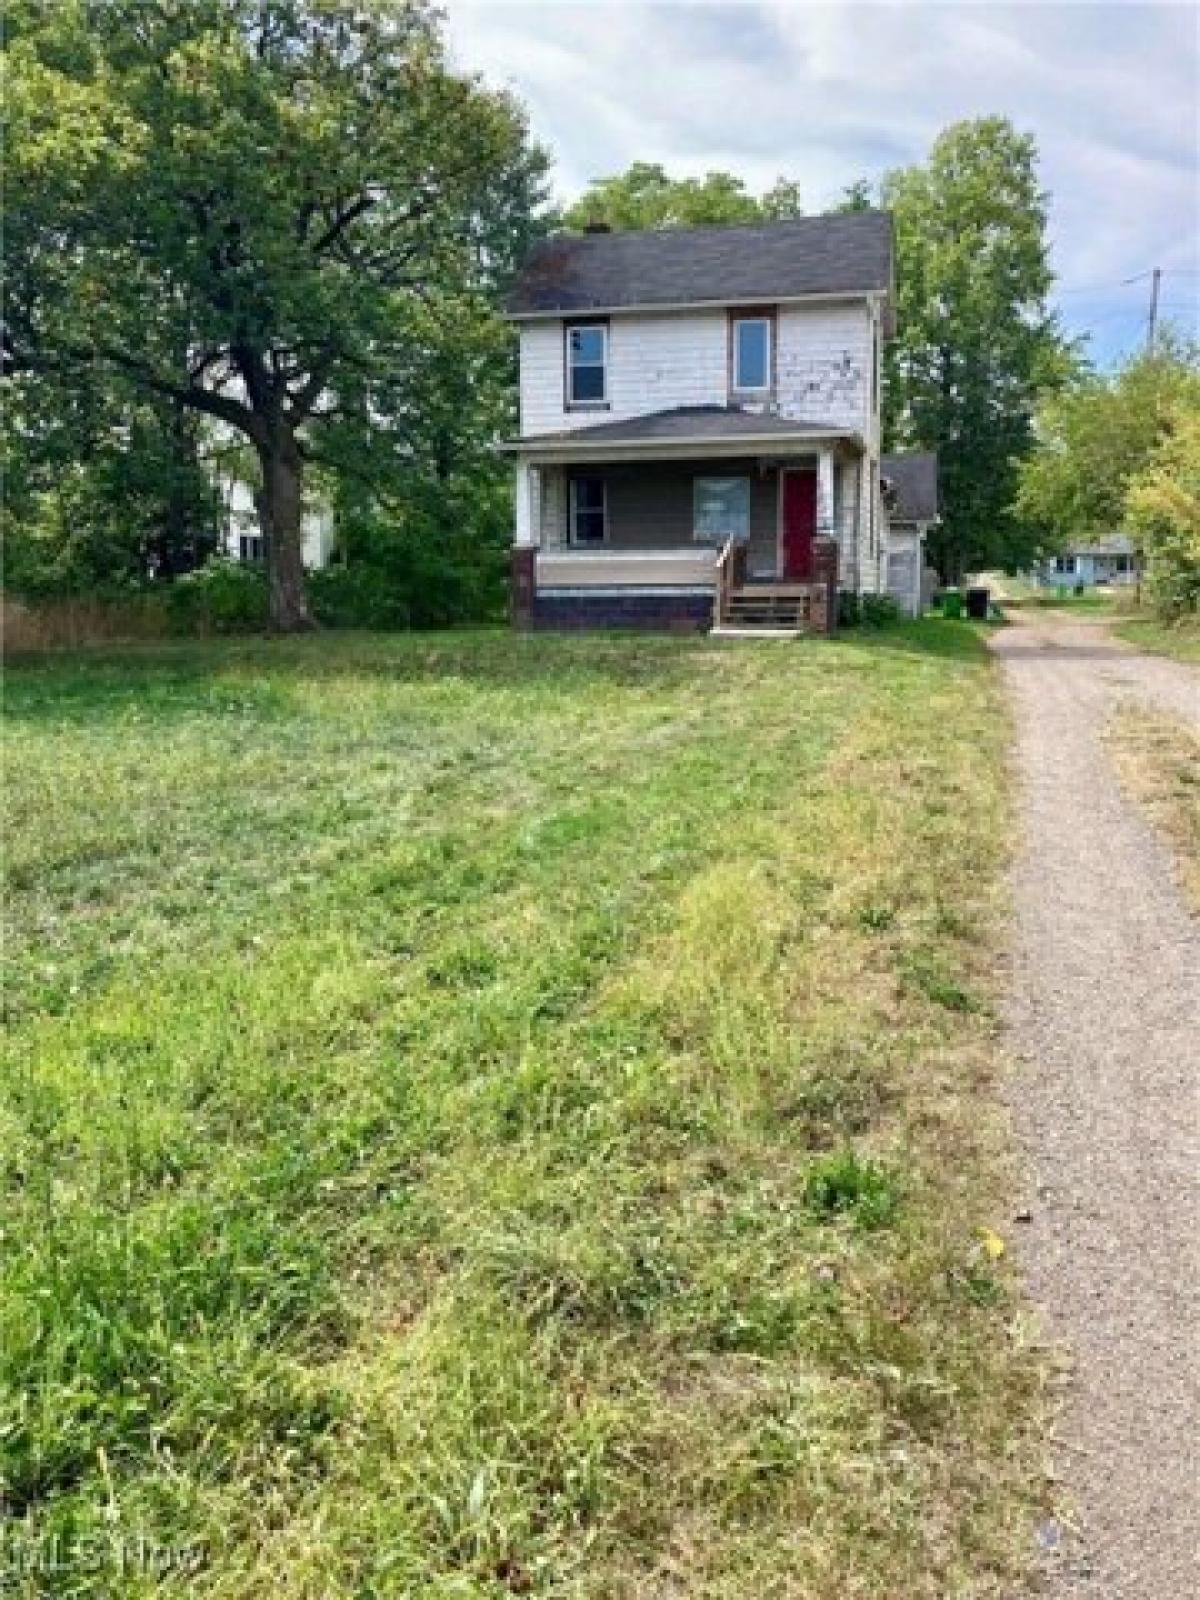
977	604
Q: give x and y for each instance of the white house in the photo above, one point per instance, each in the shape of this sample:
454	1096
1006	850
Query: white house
700	424
242	537
1101	563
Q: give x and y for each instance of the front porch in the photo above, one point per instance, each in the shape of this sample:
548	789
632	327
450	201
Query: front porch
617	532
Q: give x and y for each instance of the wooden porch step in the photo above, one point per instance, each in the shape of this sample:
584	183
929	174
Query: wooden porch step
769	589
790	613
725	631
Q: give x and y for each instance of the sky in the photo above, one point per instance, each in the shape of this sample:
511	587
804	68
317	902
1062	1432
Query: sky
830	93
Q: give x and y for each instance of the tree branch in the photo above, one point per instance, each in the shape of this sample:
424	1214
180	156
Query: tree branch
341	222
222	406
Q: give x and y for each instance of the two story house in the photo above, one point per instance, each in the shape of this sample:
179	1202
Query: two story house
700	424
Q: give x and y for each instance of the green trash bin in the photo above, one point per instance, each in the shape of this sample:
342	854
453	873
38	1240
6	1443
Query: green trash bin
952	603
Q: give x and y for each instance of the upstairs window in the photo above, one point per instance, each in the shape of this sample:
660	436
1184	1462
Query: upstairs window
589	511
250	547
751	353
587	364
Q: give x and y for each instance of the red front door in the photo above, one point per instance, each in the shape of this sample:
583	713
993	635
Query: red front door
799	523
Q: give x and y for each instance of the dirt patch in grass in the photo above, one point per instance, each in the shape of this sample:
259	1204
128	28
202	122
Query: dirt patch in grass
492	1116
1158	758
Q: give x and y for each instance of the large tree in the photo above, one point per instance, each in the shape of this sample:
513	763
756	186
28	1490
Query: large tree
646	196
246	207
977	346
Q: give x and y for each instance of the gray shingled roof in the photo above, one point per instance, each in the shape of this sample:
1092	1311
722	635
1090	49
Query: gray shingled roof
914	480
687	422
850	252
1116	544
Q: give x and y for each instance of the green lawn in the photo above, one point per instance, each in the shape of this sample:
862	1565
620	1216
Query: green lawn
1181	640
491	1115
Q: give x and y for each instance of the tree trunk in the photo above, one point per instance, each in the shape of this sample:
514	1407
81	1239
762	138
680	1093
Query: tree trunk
279	507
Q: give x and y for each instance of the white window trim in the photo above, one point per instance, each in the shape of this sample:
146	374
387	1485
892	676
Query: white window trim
576	327
572	508
751	388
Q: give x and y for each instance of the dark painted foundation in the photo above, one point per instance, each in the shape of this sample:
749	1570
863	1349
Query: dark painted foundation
675	612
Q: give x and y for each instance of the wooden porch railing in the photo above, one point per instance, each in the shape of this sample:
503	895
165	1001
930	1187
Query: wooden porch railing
730	573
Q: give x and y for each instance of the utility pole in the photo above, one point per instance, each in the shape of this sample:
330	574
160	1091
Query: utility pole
1152	330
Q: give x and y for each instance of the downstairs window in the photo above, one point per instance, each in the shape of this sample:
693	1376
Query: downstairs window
720	509
589	511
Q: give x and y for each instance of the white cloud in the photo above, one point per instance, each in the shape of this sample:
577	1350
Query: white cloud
828	93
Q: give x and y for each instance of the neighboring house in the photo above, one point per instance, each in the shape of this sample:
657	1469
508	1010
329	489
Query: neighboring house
699	431
910	498
243	541
1105	561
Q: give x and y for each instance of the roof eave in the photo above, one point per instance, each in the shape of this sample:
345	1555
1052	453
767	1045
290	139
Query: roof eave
701	443
825	296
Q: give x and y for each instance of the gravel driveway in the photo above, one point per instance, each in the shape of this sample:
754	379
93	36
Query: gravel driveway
1104	1013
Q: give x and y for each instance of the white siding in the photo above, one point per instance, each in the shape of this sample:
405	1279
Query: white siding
658	361
541	377
647	569
824	365
655	363
904	563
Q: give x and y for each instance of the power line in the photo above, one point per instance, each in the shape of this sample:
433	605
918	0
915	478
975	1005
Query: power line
1127	283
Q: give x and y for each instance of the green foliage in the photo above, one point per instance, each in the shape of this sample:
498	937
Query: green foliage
254	210
1163	507
1096	438
976	348
221	597
858	196
866	610
645	196
845	1185
102	488
432	554
406	583
878	610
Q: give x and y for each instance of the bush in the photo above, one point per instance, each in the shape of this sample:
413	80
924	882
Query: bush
866	610
1164	512
222	597
441	561
878	610
358	597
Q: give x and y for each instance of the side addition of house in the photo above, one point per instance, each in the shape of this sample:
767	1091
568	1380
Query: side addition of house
910	501
700	424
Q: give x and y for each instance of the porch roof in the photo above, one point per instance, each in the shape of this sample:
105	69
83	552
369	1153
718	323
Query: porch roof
684	425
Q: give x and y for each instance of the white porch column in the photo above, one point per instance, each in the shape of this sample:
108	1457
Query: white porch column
528	504
825	493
